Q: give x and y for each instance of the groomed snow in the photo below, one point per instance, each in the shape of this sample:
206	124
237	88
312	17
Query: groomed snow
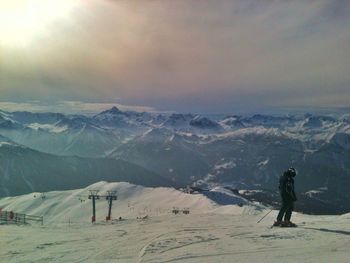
210	233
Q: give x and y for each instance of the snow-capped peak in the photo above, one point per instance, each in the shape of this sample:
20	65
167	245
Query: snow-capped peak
113	110
203	122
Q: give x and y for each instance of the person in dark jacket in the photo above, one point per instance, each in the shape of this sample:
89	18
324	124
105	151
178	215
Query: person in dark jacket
286	187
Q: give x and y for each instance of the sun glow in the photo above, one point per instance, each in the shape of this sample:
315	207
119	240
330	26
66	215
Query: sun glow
23	20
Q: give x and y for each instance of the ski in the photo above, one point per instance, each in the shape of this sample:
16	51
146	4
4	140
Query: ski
283	225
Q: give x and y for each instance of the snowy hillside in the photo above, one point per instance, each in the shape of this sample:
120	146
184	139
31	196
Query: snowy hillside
133	201
150	232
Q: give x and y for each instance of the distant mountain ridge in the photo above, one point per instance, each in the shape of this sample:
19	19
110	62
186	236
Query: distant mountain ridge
243	151
23	170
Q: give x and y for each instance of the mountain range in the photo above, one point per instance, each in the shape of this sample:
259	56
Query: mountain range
243	152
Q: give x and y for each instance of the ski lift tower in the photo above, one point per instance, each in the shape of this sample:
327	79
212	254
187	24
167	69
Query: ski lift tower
111	195
94	196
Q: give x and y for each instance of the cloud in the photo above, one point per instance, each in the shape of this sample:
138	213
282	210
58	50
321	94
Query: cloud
69	107
188	54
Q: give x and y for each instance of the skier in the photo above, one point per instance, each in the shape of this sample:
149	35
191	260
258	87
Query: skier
286	187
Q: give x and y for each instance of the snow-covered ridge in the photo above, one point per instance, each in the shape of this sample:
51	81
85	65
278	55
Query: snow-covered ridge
4	141
48	127
133	201
297	127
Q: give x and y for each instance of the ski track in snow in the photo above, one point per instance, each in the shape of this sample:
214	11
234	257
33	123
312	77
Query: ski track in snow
174	239
210	233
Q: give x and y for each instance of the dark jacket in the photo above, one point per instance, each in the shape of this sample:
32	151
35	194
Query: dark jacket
286	187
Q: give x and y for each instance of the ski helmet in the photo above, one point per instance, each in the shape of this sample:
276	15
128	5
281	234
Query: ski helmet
292	171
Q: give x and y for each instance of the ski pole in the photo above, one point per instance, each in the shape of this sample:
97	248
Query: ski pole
264	216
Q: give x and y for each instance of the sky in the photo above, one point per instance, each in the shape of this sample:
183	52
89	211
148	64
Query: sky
201	56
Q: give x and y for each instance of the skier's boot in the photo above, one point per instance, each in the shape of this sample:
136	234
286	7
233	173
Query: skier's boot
288	224
277	223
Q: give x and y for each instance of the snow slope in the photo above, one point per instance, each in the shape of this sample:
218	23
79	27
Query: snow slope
210	233
133	201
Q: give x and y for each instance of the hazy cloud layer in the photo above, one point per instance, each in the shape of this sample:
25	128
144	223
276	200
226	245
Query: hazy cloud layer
188	55
69	107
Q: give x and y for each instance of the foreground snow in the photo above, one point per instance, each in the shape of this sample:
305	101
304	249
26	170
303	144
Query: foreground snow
210	233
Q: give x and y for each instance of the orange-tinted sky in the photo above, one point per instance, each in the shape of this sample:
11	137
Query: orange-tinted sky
183	55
